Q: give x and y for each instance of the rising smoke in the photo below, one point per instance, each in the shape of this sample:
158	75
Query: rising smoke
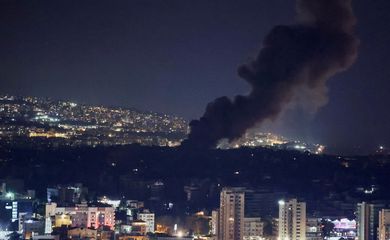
301	56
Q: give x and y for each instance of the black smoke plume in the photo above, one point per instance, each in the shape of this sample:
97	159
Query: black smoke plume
305	55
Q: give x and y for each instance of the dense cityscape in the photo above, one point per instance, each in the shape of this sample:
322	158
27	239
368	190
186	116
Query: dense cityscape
45	122
69	123
146	192
194	120
74	171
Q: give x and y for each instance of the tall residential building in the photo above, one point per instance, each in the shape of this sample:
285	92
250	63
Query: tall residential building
214	222
231	215
292	220
148	218
253	229
384	224
368	220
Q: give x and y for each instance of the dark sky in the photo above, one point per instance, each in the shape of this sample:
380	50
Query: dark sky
176	56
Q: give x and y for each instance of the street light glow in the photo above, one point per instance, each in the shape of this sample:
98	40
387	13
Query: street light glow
10	195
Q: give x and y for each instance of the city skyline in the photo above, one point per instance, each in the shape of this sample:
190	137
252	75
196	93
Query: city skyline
194	120
165	58
68	123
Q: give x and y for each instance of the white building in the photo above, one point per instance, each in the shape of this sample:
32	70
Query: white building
292	220
148	218
231	214
384	224
253	229
214	222
83	215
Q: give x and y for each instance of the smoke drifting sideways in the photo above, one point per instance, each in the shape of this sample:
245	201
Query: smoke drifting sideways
305	55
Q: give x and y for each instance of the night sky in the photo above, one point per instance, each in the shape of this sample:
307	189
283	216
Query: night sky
176	56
